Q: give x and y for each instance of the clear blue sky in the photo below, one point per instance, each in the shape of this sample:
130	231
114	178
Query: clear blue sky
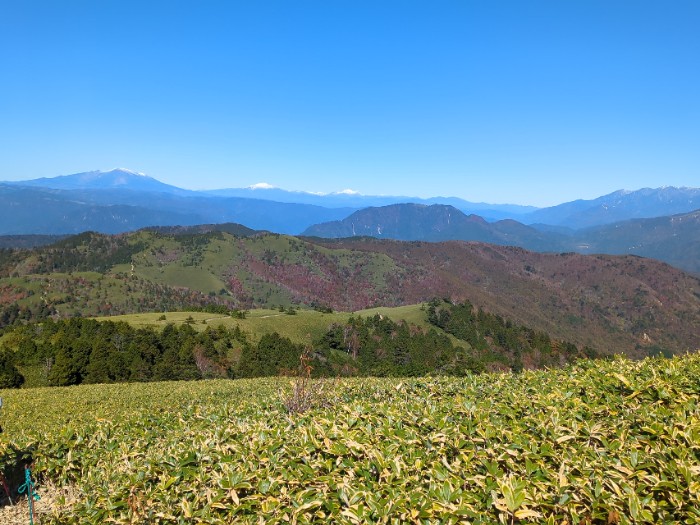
530	102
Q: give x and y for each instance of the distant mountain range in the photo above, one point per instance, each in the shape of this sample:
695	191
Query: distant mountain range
120	200
618	206
27	210
438	222
351	199
655	223
675	239
117	186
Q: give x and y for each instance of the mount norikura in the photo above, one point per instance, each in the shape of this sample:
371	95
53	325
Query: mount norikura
611	303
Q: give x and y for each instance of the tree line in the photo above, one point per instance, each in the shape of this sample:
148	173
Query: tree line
498	341
75	351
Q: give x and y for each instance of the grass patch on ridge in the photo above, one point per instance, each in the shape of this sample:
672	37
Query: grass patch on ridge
306	325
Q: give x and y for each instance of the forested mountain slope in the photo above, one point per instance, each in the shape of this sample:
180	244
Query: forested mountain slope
611	303
437	222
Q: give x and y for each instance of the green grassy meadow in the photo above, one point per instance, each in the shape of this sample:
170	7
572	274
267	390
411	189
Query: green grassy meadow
302	327
608	441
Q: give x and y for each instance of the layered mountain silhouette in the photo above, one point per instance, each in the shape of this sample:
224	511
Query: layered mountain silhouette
123	186
351	199
437	222
26	210
122	200
674	239
618	206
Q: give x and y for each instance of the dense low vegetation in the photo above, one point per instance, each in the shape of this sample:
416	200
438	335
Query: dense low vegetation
595	442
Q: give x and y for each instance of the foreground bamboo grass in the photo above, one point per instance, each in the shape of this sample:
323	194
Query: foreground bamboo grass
597	442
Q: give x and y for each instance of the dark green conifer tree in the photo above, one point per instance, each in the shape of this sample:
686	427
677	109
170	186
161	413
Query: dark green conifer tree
10	376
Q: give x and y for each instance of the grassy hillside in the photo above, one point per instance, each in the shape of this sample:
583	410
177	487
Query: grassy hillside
624	304
301	327
597	442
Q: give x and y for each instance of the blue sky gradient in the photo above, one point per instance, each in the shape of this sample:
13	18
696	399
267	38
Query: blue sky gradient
528	102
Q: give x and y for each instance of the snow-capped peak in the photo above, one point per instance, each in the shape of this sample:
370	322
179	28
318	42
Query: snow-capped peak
347	192
126	170
262	186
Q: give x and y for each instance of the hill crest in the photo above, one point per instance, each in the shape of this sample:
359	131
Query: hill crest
611	303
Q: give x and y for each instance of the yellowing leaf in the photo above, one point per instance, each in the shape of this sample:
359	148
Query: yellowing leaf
527	513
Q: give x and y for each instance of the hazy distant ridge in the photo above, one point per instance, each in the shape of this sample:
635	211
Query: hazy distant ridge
675	239
418	222
619	206
121	200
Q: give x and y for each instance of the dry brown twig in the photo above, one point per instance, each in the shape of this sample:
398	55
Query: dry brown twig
306	393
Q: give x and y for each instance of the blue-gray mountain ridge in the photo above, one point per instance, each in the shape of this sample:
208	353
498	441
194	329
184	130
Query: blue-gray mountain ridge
122	200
